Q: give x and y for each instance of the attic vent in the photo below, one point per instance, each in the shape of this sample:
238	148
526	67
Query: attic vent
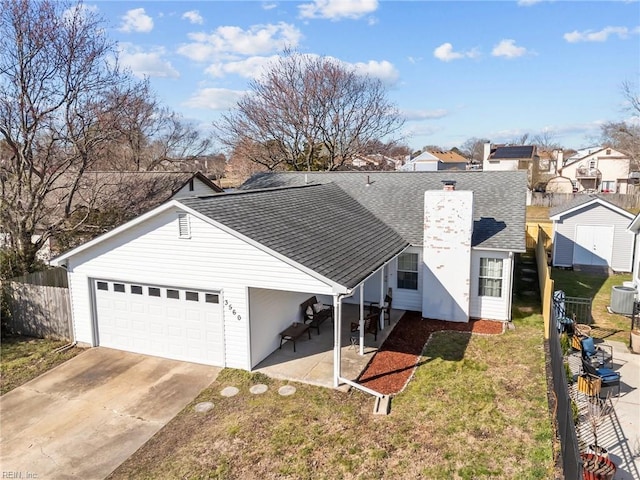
183	226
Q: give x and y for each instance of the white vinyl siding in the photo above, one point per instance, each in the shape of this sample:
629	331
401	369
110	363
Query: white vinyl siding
213	259
564	231
271	311
491	307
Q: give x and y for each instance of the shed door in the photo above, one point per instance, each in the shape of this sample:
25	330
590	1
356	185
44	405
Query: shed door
593	245
170	322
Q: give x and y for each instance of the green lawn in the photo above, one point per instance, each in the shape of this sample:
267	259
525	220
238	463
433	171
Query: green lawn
475	409
25	358
598	287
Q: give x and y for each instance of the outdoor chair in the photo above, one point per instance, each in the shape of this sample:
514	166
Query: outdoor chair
385	311
600	355
608	377
371	322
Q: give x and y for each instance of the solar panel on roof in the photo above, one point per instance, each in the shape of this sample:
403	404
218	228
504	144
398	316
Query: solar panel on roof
520	151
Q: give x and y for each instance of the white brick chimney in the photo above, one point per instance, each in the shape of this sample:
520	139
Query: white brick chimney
448	225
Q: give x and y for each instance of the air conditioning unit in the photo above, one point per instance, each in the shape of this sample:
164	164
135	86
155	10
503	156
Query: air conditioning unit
622	299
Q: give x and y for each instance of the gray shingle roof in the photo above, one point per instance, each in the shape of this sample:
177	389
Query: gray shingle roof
320	227
579	199
397	198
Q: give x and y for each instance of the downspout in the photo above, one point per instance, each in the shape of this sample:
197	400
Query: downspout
337	336
510	280
337	349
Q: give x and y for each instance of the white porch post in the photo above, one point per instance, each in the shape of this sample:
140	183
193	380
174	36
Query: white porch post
362	319
337	323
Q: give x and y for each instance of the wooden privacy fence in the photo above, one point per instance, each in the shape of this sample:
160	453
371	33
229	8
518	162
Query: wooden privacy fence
39	310
543	244
626	201
532	229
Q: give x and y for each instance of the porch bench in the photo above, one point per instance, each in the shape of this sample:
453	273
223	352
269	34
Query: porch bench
315	313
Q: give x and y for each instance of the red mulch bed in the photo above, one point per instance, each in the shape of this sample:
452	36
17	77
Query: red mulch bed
393	364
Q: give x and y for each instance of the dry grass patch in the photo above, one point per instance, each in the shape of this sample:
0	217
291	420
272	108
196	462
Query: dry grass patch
25	358
476	408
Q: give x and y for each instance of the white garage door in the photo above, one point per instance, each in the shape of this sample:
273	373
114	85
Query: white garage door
176	323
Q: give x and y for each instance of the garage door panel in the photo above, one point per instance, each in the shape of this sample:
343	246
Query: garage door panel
146	319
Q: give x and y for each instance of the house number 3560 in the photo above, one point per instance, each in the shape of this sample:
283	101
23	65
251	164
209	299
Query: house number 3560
231	309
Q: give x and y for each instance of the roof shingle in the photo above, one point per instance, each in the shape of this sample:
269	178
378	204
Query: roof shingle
397	198
320	227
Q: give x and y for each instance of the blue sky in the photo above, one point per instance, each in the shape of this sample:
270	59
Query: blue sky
455	69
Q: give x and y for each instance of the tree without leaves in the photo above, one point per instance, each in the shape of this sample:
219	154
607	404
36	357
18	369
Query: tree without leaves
625	136
308	113
149	136
473	149
61	101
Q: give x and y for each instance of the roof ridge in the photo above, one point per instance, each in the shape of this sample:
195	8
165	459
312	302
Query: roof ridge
237	192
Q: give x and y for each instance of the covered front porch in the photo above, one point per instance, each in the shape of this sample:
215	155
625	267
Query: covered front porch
312	362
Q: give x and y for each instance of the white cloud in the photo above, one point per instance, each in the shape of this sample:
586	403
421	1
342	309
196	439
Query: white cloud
251	67
136	20
193	16
146	63
600	36
214	98
528	3
80	10
446	53
230	40
508	48
413	115
269	6
338	9
384	70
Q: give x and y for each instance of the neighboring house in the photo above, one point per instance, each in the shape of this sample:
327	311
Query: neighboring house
435	160
592	232
374	161
215	279
130	192
599	169
509	157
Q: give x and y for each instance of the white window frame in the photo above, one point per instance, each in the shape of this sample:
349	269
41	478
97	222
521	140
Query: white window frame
488	279
402	269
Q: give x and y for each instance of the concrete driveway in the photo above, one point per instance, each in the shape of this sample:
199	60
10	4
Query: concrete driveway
82	419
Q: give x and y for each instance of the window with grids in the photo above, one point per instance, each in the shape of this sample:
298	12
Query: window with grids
490	281
408	271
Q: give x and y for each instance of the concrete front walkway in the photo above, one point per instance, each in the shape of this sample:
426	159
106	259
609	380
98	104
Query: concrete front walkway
82	419
312	362
620	431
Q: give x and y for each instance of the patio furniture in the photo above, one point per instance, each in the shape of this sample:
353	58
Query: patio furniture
599	355
608	377
386	307
315	313
293	332
371	322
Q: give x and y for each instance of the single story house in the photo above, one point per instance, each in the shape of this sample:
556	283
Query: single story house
435	160
590	231
214	279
